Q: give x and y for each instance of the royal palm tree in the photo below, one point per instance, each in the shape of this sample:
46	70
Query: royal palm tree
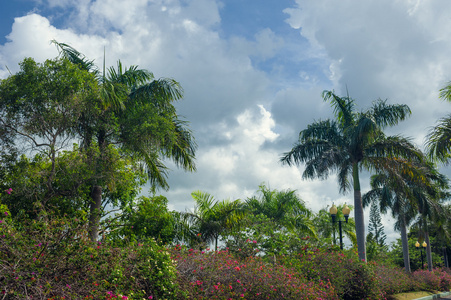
391	196
354	141
438	141
407	190
136	112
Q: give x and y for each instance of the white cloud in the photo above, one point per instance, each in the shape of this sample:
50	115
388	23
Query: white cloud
379	48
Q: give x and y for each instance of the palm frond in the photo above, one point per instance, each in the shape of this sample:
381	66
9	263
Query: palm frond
438	145
68	52
343	107
389	115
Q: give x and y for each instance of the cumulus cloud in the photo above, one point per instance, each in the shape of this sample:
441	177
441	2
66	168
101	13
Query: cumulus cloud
247	96
387	49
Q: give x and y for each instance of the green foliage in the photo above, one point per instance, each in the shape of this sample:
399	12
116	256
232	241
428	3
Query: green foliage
150	218
211	219
220	275
136	112
53	258
282	207
396	255
264	237
351	278
354	140
328	230
375	226
69	192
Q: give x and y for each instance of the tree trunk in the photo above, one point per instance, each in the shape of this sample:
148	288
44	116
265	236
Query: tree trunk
358	214
428	250
445	257
405	245
94	212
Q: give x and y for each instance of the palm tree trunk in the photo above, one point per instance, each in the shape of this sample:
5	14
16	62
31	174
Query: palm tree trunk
445	257
94	212
405	245
428	250
358	214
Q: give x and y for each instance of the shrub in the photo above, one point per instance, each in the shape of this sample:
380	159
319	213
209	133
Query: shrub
438	280
53	258
393	280
220	275
351	278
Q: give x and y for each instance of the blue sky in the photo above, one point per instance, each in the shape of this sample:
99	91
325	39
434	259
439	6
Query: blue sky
253	72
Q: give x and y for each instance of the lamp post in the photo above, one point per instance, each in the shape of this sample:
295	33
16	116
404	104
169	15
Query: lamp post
424	245
333	213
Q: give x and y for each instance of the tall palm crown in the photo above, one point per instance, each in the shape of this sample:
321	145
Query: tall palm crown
407	194
438	141
351	142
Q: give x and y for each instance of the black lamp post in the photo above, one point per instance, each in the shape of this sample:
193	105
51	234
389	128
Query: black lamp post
333	213
424	245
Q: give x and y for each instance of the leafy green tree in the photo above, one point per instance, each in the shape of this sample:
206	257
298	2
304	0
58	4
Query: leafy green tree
260	235
149	218
40	107
72	186
354	141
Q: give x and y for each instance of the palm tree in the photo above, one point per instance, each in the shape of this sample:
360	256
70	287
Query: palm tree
136	112
211	218
284	208
407	190
352	142
392	196
438	141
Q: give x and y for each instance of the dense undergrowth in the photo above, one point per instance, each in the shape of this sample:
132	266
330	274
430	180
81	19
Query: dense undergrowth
52	258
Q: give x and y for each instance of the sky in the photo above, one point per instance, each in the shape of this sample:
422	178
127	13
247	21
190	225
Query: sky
253	72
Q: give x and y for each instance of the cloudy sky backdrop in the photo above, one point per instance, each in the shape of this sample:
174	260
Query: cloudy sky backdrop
253	72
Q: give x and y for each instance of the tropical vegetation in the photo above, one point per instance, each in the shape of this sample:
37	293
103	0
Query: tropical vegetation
78	143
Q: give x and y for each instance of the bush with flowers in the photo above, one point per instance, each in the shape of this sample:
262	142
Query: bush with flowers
52	258
220	275
351	278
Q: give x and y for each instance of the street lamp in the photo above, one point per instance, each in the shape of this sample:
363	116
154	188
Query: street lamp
333	213
424	245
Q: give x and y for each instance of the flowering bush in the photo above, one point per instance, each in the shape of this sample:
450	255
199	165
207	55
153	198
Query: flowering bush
220	275
438	280
54	259
351	278
393	280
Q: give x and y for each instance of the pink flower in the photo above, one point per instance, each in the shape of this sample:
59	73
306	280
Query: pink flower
150	297
9	191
